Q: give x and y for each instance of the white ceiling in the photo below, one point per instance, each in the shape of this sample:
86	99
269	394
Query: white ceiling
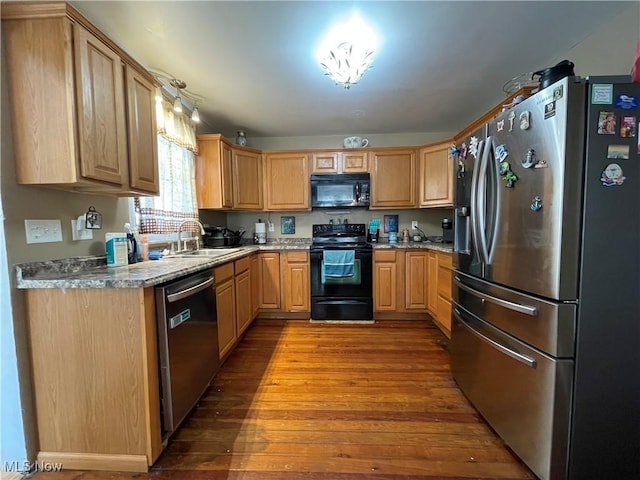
439	65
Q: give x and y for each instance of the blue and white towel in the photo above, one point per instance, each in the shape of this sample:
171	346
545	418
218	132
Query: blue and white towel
338	263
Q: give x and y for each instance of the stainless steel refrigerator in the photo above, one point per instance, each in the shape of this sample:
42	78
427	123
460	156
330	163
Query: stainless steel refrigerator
546	291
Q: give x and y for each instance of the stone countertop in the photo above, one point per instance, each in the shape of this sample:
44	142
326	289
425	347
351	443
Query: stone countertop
440	247
92	272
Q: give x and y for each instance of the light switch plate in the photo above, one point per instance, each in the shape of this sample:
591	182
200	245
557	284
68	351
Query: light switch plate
82	234
43	231
272	227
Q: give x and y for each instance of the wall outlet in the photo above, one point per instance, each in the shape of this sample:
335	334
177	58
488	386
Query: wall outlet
272	227
414	224
82	234
43	231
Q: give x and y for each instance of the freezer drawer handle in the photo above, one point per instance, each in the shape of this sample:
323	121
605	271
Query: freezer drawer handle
174	297
527	360
526	309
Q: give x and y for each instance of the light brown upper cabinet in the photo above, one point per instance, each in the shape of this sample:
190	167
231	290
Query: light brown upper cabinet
436	175
247	179
228	176
214	172
83	110
393	178
356	161
287	181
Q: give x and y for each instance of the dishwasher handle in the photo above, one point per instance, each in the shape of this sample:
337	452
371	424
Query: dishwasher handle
187	292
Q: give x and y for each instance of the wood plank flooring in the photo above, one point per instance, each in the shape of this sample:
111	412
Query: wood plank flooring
300	400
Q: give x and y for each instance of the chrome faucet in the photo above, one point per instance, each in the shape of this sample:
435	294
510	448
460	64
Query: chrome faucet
185	242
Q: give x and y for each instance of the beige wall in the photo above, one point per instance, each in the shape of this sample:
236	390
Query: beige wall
610	50
429	220
336	141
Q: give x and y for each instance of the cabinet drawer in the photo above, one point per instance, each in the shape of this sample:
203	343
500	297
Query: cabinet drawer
384	256
297	257
242	264
444	282
445	260
223	272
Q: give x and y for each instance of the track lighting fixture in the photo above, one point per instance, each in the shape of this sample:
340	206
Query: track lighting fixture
183	99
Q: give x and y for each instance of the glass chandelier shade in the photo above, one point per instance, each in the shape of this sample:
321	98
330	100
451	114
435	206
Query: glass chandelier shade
346	63
346	53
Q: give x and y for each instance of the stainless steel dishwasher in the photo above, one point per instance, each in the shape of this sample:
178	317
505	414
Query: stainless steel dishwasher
187	344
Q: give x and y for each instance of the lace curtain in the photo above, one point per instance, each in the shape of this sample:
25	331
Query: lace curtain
176	167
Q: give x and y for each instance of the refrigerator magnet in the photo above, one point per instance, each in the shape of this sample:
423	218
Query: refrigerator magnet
612	175
618	152
550	110
602	94
628	127
501	152
530	159
626	102
606	123
500	125
524	120
473	146
511	118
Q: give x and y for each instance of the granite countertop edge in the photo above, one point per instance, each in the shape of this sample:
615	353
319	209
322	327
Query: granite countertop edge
92	271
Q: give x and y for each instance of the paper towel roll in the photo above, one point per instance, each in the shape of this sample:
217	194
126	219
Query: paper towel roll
261	228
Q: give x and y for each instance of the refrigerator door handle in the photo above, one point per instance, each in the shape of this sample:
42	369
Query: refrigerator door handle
520	357
481	191
474	202
526	309
496	205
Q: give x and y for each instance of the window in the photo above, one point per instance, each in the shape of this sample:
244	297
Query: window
159	217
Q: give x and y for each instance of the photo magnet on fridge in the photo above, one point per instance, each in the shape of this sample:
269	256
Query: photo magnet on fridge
618	152
628	127
607	123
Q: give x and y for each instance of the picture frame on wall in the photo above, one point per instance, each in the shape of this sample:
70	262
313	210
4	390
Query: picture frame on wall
390	223
287	224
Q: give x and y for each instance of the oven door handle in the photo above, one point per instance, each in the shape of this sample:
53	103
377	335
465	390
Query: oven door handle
526	359
187	292
526	309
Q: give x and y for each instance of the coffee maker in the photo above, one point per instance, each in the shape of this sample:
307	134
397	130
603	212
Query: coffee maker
447	231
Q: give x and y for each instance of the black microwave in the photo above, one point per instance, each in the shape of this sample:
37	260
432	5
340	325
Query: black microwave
340	190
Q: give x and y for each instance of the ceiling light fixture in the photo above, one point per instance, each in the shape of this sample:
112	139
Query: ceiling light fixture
182	98
178	85
347	52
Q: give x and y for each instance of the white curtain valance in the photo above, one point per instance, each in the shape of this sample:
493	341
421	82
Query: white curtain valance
176	127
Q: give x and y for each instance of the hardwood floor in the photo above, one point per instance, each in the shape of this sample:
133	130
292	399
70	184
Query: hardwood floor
299	400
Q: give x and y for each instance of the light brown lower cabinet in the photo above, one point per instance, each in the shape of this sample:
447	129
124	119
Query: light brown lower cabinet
285	286
226	307
386	267
95	377
416	285
296	281
443	311
234	302
244	309
269	276
414	281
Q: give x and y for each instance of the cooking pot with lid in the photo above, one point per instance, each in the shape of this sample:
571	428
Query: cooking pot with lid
551	75
222	237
